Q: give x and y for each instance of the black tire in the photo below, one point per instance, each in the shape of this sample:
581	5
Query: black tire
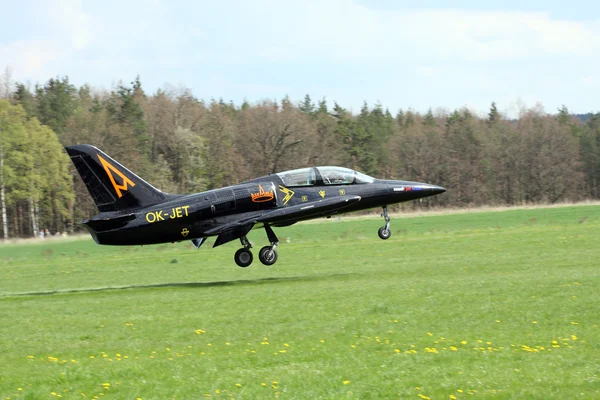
243	257
267	256
384	233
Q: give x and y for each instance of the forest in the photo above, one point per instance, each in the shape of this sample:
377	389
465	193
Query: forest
181	143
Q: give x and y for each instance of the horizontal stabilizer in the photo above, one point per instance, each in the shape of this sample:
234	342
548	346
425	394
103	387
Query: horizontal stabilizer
100	224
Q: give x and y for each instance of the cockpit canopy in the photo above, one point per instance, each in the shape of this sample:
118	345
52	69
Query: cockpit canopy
323	176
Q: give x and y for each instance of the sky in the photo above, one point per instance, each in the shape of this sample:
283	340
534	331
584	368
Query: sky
403	54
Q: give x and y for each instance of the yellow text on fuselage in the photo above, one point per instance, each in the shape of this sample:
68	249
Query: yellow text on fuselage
173	213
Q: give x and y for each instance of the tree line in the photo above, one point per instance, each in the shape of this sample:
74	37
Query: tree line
183	144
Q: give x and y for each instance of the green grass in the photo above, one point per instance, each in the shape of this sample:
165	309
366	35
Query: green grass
486	305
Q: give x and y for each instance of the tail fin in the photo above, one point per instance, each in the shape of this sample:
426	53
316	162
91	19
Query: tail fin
112	186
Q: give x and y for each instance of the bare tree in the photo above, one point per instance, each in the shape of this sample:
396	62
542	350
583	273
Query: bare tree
6	84
273	138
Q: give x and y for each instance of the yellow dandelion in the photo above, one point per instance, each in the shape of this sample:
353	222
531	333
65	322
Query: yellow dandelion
429	334
452	397
263	384
346	382
464	342
453	348
238	384
397	350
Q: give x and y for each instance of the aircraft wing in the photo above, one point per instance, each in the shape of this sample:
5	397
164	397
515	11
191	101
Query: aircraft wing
299	212
310	210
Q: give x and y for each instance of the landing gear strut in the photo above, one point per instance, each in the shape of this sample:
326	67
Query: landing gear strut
268	255
384	232
243	257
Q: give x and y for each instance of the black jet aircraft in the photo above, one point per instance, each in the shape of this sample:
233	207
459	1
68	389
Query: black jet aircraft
133	212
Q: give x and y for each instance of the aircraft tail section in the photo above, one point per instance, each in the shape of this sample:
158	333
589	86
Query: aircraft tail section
112	186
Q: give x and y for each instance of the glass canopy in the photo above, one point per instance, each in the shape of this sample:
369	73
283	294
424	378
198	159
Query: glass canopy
326	176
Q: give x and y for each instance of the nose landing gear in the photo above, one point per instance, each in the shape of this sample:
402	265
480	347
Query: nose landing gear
384	232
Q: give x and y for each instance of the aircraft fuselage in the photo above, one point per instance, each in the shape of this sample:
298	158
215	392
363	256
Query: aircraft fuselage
198	215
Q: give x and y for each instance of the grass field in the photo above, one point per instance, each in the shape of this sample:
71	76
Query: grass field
487	305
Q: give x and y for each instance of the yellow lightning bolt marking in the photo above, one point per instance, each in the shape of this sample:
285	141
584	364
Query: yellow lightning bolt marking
109	170
288	194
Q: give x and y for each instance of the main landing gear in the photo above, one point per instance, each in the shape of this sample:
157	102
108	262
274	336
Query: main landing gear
243	257
267	255
384	232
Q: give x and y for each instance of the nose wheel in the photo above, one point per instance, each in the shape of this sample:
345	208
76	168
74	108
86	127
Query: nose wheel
385	232
243	257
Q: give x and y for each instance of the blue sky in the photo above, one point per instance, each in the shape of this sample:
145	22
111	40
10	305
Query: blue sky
403	54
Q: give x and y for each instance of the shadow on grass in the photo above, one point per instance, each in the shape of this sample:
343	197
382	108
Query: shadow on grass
260	281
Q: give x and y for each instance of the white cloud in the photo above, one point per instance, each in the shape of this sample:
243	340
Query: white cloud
356	51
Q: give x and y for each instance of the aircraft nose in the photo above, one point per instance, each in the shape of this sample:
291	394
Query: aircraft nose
415	189
437	189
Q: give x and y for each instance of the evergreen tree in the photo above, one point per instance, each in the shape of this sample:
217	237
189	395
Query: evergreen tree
493	115
24	97
322	106
400	118
307	105
429	119
563	116
56	102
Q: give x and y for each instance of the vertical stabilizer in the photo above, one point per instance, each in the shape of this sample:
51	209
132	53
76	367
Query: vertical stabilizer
112	186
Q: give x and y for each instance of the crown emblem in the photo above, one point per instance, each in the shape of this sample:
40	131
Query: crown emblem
262	196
